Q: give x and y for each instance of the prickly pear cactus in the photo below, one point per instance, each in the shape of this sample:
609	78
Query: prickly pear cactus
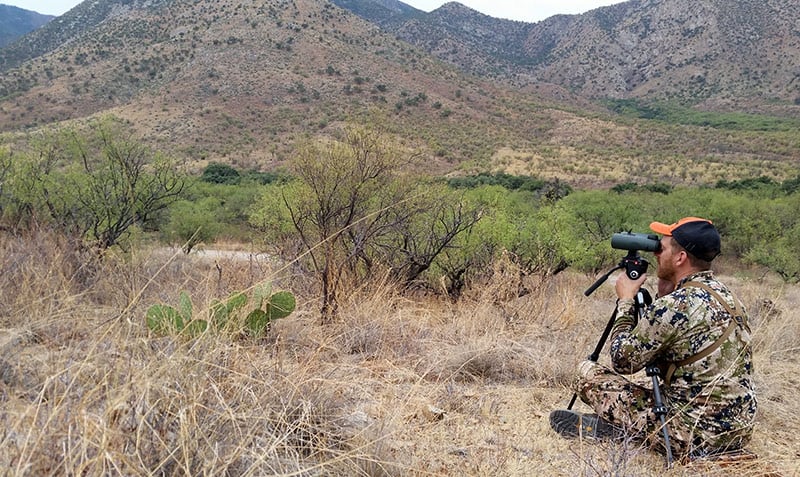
222	312
228	315
164	319
271	308
281	305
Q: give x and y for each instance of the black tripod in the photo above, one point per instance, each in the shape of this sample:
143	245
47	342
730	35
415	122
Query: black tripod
635	267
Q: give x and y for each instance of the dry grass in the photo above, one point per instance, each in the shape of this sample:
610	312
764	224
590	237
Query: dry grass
398	386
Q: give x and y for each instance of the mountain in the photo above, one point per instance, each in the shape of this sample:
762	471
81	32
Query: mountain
240	82
243	82
71	26
714	51
16	22
476	43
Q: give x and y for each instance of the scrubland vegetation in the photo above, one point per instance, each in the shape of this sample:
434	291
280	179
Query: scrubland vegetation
438	321
399	384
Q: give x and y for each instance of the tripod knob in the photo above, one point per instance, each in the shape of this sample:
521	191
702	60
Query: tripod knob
643	298
635	267
653	370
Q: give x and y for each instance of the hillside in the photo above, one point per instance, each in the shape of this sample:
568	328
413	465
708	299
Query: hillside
716	51
16	22
242	82
710	51
477	43
225	79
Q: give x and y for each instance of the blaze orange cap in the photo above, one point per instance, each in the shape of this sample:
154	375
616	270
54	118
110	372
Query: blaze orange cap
698	236
665	229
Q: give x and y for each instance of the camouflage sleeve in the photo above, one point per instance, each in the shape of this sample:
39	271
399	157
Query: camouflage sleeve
635	344
626	318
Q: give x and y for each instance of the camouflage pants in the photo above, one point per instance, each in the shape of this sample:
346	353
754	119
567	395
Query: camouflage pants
617	399
627	404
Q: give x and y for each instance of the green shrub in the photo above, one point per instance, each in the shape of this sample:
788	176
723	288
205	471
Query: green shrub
217	173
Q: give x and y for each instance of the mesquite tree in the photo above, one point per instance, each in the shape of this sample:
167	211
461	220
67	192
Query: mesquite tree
339	181
93	186
356	210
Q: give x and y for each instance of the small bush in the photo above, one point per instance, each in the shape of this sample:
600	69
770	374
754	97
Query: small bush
216	173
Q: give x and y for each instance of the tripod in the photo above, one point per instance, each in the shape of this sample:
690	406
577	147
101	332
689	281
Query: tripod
635	267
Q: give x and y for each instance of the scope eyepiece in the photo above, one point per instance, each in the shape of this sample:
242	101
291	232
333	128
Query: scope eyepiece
633	241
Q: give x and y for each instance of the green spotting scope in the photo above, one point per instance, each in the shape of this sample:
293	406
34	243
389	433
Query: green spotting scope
632	241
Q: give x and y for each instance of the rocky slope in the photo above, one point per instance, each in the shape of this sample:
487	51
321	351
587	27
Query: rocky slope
713	51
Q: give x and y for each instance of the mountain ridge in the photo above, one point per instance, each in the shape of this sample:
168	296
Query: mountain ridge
690	50
16	22
242	83
185	65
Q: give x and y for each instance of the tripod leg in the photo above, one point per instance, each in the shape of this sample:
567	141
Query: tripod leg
572	401
660	410
598	349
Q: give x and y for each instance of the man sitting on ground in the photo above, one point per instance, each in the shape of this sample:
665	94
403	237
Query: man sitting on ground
697	334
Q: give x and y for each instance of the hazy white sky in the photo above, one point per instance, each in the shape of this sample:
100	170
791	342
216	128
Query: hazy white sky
525	10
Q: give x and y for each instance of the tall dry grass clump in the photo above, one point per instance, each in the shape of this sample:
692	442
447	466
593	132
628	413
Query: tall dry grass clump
398	385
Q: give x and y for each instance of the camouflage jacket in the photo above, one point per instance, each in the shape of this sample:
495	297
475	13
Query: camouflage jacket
712	401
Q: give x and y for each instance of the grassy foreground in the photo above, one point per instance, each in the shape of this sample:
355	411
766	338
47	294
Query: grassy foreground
398	386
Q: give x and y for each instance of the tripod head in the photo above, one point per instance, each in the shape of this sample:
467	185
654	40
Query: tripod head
635	266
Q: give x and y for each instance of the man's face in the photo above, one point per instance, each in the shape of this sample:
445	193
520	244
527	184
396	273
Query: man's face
665	258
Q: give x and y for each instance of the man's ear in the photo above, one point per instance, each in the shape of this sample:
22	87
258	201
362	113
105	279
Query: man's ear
681	258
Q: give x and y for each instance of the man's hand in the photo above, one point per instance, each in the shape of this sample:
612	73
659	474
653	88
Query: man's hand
627	288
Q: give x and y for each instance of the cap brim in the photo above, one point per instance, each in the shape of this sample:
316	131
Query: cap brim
660	228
